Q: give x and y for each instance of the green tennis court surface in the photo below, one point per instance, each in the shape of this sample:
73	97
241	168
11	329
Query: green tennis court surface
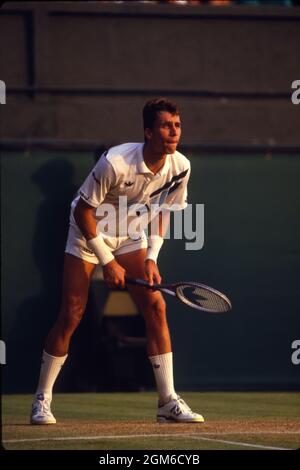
127	421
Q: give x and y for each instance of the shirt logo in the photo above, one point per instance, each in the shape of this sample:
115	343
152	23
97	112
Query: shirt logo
87	250
129	183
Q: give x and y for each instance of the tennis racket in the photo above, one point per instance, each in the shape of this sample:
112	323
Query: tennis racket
195	295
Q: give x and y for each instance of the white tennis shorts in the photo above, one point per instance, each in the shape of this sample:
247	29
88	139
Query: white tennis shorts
76	245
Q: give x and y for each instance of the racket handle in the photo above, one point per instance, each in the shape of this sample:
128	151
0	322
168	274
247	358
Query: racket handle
138	282
141	282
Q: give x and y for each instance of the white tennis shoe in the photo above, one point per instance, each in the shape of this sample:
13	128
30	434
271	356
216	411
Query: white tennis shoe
177	411
41	411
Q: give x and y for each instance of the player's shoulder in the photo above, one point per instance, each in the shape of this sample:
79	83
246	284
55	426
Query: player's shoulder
180	162
122	154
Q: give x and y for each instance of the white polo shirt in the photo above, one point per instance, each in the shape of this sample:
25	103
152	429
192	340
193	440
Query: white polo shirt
121	179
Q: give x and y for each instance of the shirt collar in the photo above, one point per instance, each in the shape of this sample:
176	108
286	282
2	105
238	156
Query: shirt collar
142	167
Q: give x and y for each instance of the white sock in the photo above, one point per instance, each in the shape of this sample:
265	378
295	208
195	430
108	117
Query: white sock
50	369
163	372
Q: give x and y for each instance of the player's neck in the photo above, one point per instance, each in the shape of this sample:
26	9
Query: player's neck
154	161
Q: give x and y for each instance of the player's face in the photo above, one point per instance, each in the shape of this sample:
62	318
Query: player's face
163	138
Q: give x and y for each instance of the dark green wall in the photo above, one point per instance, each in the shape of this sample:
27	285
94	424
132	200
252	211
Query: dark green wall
251	252
36	192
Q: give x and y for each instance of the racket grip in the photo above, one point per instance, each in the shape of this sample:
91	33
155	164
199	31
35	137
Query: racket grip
138	282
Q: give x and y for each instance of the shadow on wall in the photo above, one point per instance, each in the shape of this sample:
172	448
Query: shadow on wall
36	314
98	360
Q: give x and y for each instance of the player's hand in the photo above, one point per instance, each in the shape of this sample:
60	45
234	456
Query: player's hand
114	275
152	272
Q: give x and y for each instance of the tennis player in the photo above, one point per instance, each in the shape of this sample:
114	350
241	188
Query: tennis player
145	175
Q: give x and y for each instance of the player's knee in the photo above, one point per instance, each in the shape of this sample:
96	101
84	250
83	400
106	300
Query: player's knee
155	312
71	313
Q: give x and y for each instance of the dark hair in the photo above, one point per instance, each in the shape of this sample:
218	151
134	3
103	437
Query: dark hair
155	106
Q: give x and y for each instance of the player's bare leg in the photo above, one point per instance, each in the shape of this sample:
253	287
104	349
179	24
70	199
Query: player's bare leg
171	407
76	279
150	303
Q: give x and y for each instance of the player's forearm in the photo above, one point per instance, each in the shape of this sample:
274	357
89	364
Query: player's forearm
160	224
164	222
84	217
157	231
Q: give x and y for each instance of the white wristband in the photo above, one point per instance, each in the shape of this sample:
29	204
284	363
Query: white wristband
154	246
101	250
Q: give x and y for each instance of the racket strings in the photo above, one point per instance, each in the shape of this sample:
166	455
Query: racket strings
204	298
